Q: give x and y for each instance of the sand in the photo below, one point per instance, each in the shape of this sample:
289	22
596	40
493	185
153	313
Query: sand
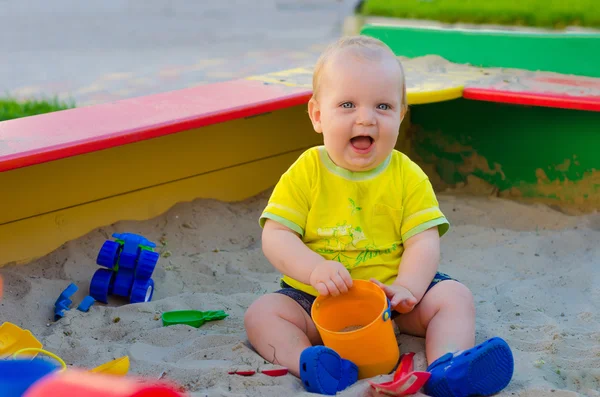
533	270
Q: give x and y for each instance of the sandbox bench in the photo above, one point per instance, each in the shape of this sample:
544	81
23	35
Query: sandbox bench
66	173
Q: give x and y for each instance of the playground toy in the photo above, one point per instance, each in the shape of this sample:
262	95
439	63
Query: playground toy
86	303
193	318
365	313
130	261
14	339
275	372
242	373
60	361
82	383
15	342
405	382
118	367
63	303
16	376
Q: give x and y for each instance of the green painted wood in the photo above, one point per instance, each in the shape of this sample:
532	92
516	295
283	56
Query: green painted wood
566	53
511	146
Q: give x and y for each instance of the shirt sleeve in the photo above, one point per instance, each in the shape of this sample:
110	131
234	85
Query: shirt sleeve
289	203
422	211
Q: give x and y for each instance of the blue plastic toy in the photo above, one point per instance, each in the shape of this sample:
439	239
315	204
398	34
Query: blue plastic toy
130	260
102	284
64	302
123	282
86	303
16	376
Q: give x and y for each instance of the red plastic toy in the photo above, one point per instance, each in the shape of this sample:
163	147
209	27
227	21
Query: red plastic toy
75	382
242	373
405	382
269	372
275	372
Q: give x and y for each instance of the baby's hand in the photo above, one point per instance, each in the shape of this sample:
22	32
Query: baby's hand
401	299
331	277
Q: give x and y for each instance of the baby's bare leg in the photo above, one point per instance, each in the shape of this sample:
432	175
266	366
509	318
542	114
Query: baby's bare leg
445	317
280	329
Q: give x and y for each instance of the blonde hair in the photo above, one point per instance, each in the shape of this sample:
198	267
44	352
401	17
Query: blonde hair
365	46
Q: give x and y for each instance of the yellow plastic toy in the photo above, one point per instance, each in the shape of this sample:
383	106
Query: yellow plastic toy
13	338
118	367
15	341
357	325
63	366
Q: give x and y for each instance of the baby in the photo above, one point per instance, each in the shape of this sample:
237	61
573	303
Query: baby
356	208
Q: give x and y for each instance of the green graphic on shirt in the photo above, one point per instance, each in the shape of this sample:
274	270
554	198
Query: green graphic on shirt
373	252
348	244
353	206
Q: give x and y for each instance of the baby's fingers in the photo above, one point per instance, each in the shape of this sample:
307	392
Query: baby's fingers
388	292
405	305
322	289
345	275
379	283
340	283
403	297
396	300
333	289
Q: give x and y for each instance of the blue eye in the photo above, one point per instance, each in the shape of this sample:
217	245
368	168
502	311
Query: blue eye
347	105
383	106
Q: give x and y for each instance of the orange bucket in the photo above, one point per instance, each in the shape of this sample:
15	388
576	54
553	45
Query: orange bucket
357	325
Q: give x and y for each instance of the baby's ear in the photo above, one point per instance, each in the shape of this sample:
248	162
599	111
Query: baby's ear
403	112
314	112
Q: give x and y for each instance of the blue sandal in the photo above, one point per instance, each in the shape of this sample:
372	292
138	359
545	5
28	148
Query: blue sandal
323	371
480	371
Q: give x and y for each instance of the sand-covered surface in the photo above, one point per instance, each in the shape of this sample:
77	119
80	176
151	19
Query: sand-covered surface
535	274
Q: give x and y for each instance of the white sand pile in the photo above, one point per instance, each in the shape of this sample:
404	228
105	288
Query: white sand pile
534	272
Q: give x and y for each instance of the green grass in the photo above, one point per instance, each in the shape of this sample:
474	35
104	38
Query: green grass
13	109
537	13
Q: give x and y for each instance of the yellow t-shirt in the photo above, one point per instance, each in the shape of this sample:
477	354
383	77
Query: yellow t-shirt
359	219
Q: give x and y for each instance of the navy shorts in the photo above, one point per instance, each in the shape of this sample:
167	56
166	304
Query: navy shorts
306	300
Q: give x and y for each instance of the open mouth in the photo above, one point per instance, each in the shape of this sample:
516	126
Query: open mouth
361	143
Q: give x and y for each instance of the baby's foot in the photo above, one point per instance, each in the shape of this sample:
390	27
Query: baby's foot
480	371
323	371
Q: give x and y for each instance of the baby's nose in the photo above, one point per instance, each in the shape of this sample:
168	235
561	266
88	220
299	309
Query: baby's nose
366	117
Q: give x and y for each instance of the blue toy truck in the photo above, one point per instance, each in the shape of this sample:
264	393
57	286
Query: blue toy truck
130	261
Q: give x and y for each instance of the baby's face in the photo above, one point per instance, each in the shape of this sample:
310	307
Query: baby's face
358	109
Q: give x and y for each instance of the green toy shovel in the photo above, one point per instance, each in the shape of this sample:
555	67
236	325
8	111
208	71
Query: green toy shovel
193	318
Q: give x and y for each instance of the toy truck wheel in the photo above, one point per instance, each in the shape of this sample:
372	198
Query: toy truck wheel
142	291
123	282
100	285
109	254
146	264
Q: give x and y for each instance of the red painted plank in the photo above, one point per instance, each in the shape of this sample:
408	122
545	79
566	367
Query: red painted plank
573	81
588	103
52	136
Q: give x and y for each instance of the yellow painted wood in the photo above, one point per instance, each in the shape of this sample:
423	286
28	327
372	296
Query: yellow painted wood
440	95
36	236
428	79
49	204
93	176
52	203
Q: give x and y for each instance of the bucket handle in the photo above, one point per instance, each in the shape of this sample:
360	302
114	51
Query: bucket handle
63	366
387	313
